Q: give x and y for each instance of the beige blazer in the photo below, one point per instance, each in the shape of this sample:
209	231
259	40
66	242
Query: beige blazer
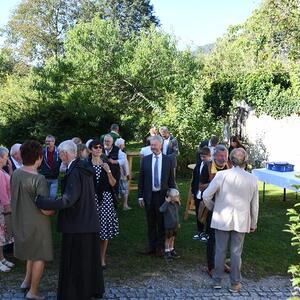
235	205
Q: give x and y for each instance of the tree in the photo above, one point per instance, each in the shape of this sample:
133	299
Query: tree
37	28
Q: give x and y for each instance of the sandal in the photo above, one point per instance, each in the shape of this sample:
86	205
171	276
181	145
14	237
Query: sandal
7	263
4	268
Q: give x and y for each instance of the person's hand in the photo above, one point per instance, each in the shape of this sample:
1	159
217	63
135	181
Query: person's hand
7	208
141	202
128	177
252	229
106	167
112	161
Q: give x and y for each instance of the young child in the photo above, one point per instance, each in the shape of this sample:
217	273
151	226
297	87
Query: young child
205	156
171	221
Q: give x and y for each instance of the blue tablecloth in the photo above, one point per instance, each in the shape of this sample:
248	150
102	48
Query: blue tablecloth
281	179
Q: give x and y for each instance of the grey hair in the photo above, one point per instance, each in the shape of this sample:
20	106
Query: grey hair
119	142
156	138
114	127
164	128
239	157
68	146
3	151
219	148
14	149
50	136
108	136
172	192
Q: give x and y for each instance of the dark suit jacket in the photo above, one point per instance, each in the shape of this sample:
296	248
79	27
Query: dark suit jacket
196	179
173	150
145	178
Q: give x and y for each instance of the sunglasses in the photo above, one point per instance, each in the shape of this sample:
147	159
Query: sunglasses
97	147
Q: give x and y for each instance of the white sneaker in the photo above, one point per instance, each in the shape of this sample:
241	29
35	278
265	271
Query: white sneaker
126	208
7	263
4	268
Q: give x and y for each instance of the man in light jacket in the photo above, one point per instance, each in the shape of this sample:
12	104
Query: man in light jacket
235	212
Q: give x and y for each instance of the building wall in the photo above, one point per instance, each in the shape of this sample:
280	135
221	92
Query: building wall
274	139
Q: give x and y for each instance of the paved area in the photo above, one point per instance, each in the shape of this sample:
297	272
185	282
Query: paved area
191	286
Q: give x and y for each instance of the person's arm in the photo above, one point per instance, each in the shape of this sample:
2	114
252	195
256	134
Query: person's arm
254	207
69	198
164	206
210	192
111	179
204	178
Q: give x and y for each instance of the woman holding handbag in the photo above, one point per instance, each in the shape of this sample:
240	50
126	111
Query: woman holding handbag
31	226
5	211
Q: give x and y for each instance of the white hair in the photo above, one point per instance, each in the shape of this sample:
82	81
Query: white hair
172	192
3	151
219	148
119	142
68	146
239	157
156	138
88	142
14	149
108	136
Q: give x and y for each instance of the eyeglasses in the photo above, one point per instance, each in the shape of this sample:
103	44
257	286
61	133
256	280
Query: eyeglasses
97	147
49	141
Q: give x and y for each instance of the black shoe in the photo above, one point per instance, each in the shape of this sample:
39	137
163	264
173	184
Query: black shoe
168	256
196	237
174	254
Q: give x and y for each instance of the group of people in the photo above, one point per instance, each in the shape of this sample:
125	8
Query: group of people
95	173
226	201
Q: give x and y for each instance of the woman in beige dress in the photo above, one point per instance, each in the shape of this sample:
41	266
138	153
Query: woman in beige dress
31	226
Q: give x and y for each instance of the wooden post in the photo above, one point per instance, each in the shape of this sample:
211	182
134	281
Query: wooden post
190	203
130	156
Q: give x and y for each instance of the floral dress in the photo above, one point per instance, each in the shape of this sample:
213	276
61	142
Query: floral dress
5	224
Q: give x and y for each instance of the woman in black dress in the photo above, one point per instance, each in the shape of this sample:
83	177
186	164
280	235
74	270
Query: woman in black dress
105	198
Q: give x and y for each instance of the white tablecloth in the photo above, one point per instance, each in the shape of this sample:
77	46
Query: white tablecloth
281	179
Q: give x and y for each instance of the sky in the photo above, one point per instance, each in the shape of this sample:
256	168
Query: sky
193	22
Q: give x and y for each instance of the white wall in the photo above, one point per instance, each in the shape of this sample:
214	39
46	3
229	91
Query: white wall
280	137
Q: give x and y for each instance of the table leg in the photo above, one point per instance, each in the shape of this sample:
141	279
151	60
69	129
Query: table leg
284	194
264	190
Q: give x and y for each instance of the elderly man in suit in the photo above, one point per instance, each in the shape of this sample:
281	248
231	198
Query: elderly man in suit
235	212
156	177
170	145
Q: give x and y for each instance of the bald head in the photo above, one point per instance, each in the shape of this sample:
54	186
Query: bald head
239	157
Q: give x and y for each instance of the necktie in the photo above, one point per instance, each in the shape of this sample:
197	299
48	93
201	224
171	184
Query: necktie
156	180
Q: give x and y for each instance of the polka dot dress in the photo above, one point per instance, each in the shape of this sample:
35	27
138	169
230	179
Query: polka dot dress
109	223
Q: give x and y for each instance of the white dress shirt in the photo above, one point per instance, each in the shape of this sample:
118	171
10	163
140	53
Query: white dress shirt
146	151
159	170
166	145
121	156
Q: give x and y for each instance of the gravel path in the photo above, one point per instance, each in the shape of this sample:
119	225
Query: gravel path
172	284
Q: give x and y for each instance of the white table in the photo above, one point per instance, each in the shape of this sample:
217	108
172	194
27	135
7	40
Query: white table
281	179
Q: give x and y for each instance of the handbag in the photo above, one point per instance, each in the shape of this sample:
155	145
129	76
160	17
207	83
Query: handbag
202	212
